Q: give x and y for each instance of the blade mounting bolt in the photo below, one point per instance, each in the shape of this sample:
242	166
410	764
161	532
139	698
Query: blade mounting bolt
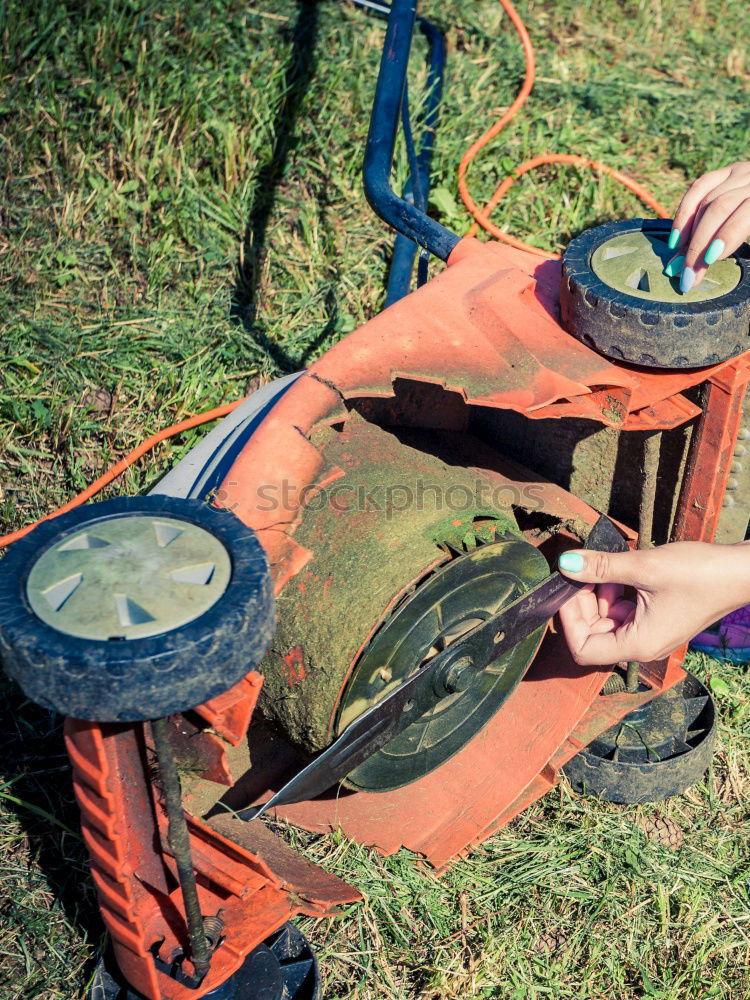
459	675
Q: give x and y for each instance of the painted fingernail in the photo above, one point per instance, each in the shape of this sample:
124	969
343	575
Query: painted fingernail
675	265
674	239
715	250
571	562
687	280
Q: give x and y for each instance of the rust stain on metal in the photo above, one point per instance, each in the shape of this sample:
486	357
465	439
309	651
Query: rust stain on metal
294	665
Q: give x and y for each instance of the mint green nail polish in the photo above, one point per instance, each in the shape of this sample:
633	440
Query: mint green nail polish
571	562
715	250
674	239
674	266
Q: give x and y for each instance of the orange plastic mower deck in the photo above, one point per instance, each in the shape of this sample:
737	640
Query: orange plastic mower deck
484	333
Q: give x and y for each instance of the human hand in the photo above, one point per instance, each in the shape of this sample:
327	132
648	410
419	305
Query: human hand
680	589
712	221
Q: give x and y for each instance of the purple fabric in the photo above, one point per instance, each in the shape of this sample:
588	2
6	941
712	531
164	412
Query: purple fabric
733	631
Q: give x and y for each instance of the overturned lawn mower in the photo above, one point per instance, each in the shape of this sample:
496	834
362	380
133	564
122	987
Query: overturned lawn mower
403	499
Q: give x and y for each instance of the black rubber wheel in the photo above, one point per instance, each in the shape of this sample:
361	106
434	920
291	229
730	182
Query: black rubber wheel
657	751
645	321
134	608
284	967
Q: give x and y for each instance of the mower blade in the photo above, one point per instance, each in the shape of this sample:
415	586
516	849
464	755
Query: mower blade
362	738
483	645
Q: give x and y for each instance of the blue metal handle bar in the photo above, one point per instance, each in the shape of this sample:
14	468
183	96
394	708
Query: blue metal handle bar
404	249
399	213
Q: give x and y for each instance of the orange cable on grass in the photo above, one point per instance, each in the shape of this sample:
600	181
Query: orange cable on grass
482	216
119	467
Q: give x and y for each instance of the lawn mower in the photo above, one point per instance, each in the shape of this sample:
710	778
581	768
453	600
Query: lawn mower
336	609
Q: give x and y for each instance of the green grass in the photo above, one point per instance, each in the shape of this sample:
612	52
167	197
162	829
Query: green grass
183	216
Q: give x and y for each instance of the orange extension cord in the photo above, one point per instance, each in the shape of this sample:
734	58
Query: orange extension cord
481	218
119	467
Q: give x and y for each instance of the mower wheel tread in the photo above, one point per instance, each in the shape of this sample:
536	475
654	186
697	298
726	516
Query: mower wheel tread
689	334
137	678
657	751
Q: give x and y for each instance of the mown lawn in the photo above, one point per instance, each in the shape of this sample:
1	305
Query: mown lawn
183	219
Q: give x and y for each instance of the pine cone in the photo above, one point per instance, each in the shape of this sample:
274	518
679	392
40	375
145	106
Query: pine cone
551	941
662	831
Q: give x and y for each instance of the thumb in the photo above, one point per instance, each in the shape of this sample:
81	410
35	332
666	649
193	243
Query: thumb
591	566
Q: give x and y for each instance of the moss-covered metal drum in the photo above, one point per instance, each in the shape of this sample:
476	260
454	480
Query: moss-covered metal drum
408	553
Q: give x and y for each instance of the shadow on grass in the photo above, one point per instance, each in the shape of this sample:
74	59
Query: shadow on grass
298	75
35	771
